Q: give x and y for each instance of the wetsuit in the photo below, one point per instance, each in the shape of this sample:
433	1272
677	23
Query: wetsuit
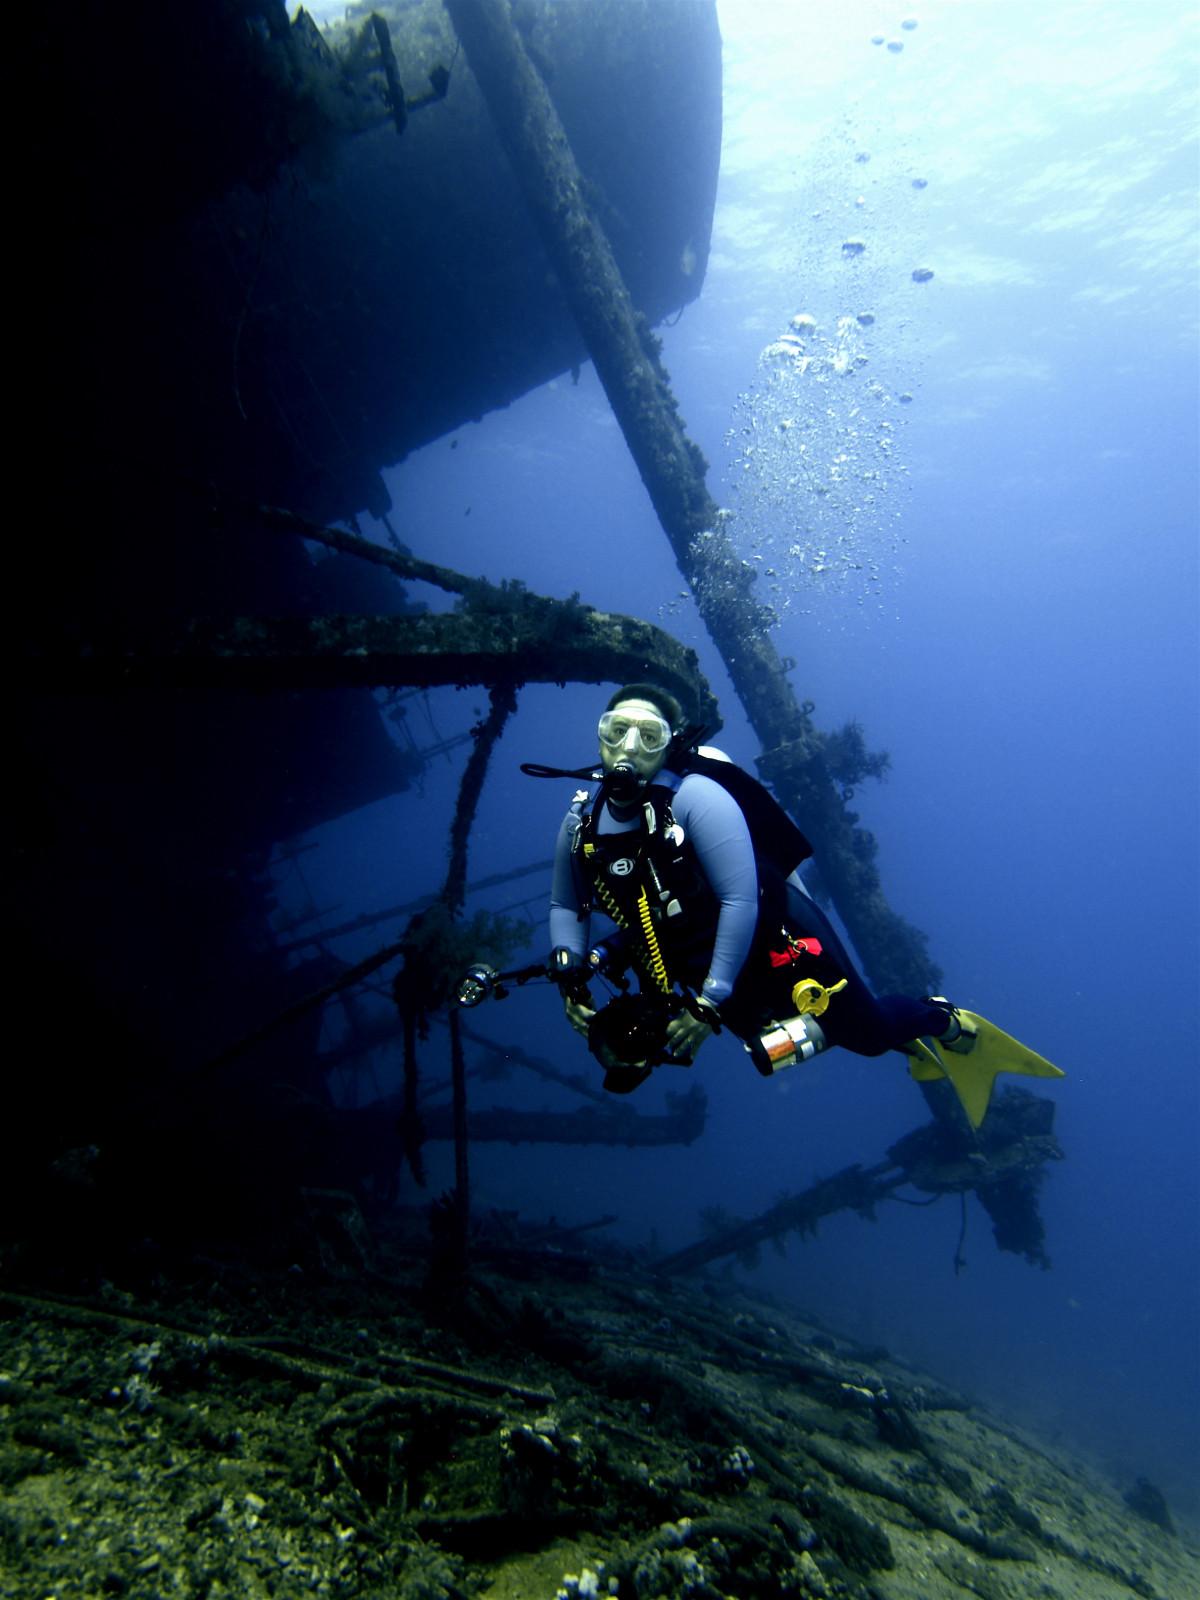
737	922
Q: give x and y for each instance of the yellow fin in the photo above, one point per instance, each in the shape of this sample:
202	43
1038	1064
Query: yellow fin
922	1063
974	1072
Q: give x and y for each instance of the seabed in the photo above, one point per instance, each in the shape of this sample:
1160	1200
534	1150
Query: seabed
550	1423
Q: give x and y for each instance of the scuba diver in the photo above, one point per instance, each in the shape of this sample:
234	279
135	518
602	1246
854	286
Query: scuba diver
694	862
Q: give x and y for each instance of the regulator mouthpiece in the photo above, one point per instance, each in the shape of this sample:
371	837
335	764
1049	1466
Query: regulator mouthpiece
623	783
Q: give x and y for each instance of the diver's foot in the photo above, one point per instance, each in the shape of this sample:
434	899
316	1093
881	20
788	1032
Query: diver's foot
961	1033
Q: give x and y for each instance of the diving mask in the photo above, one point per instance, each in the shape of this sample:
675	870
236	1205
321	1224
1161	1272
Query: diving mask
653	732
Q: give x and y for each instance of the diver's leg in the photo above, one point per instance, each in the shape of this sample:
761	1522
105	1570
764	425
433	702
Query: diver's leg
856	1019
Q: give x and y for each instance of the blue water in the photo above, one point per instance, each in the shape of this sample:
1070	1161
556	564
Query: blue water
1016	623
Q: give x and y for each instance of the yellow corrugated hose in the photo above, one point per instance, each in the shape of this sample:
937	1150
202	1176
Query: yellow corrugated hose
656	967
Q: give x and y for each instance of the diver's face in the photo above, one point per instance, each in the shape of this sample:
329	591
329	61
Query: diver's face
634	734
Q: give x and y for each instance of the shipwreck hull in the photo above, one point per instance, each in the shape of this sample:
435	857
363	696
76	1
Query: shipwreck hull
294	336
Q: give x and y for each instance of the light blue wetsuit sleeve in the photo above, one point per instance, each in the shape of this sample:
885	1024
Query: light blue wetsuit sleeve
567	927
713	823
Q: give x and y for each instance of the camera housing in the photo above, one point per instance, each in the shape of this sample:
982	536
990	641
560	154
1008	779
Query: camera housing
632	1030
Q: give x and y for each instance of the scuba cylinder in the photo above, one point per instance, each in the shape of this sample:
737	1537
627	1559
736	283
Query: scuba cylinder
797	1038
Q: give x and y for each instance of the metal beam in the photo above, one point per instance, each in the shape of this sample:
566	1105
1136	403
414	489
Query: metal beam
534	640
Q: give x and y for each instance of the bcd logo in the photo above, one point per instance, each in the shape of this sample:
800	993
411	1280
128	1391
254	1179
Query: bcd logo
622	867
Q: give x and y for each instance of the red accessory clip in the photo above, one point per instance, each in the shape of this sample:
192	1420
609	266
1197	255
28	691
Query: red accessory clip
796	948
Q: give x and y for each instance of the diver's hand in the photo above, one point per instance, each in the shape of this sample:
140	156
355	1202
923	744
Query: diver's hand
685	1035
578	1015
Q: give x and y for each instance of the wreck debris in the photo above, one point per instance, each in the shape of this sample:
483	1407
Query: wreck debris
349	978
502	634
662	1438
528	640
391	72
1003	1167
372	919
575	1081
503	704
423	985
1149	1502
681	1123
851	1189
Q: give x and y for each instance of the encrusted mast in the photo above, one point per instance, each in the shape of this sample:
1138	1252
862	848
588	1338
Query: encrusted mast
626	356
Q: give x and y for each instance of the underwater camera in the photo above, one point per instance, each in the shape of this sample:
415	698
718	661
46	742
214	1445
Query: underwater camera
631	1030
628	1037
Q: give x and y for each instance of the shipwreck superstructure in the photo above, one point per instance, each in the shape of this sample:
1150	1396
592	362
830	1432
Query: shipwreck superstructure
292	258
